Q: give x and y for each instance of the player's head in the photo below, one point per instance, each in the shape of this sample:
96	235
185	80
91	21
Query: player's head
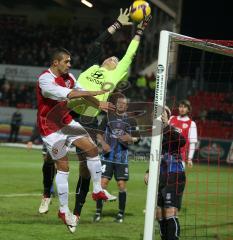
184	107
60	59
121	104
110	63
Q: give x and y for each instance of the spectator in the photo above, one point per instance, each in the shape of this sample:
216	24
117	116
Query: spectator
32	43
16	121
203	114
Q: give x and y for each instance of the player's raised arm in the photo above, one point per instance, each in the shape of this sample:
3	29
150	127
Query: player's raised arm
124	64
122	20
141	27
95	53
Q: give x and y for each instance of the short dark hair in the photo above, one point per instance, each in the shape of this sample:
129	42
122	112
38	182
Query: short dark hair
186	103
57	53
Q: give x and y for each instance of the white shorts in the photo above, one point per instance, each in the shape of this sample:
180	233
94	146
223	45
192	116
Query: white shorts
58	143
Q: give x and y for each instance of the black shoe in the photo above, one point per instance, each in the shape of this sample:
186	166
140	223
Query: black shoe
119	218
97	217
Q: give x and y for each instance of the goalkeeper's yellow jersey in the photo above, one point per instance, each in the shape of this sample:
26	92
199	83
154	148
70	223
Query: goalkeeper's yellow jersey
98	78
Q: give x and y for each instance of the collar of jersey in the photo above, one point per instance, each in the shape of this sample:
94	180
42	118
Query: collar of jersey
52	73
186	118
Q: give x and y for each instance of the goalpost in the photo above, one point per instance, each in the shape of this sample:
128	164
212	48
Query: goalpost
166	40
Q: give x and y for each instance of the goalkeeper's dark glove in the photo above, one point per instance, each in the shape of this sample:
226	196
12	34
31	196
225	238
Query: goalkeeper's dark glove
142	25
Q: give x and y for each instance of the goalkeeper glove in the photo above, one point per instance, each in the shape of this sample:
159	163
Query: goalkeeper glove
123	19
142	25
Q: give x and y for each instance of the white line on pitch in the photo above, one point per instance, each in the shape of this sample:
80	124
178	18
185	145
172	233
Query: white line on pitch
23	195
40	194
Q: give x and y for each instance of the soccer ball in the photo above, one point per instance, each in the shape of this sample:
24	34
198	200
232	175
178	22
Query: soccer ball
139	10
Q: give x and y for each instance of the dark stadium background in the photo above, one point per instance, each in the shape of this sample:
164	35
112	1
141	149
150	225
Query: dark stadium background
207	19
204	19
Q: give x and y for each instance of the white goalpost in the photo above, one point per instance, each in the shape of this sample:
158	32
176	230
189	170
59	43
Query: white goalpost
166	38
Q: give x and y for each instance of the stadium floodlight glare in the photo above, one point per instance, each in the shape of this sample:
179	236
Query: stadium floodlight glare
88	4
165	45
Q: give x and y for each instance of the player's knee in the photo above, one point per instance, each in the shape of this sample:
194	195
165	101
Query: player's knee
170	212
104	183
63	168
92	152
121	186
62	165
87	146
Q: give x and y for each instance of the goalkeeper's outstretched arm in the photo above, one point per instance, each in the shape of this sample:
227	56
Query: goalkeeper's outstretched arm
123	66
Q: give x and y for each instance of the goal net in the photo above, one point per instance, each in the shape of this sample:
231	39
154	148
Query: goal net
202	72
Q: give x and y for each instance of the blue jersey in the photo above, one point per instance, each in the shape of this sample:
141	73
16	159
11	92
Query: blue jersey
171	160
171	163
114	126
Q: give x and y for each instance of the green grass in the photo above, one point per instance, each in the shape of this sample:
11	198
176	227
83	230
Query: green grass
207	211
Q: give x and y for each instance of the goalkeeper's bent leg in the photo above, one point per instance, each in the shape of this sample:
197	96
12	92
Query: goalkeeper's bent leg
81	193
49	172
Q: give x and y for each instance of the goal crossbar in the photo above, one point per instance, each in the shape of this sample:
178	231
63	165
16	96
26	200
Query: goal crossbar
201	44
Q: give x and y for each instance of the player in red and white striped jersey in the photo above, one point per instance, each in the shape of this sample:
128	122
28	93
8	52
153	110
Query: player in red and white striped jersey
58	130
188	129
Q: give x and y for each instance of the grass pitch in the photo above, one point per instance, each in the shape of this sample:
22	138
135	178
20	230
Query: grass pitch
207	211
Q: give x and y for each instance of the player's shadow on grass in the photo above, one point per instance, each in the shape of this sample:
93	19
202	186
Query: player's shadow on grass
108	213
113	213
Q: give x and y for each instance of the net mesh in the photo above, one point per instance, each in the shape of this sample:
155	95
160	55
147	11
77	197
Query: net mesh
205	79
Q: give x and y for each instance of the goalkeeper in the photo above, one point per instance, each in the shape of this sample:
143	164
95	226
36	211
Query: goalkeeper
104	76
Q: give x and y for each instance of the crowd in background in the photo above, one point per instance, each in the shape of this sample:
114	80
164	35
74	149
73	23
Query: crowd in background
14	94
25	44
22	43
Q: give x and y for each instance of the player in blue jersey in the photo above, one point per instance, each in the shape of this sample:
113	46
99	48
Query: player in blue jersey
118	131
171	181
